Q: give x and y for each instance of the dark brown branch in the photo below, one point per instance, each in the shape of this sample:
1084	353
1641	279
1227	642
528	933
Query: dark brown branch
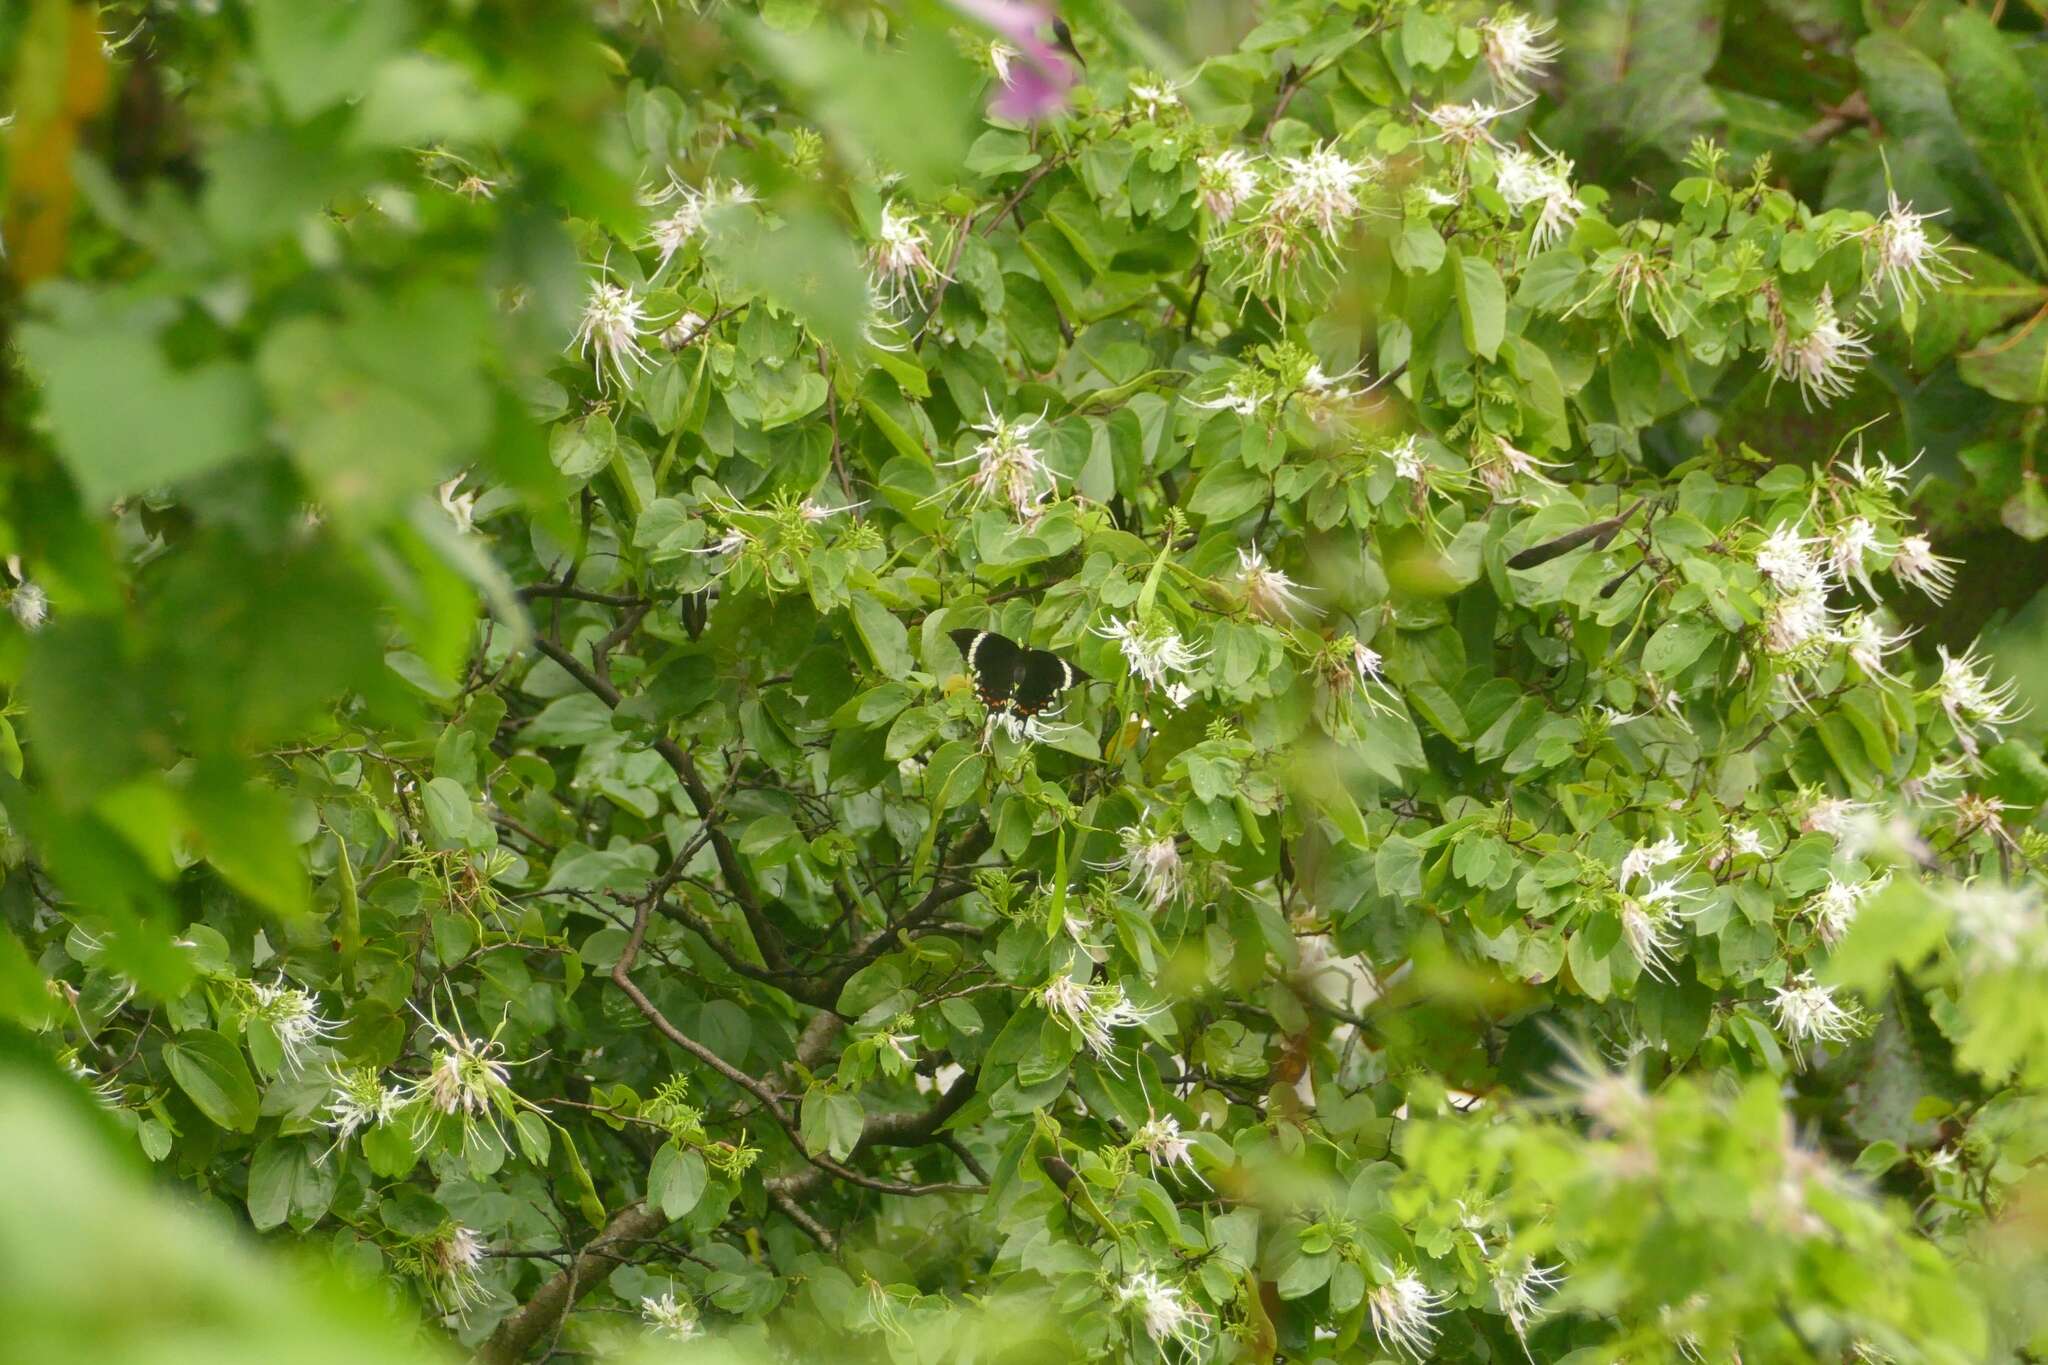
532	1320
685	768
622	977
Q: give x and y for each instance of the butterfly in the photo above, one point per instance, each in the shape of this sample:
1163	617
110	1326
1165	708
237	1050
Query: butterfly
1013	677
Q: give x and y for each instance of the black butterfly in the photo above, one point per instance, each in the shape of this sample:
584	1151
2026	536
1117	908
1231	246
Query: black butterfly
1013	677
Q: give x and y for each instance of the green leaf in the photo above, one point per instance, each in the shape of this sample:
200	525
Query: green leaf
676	1180
212	1073
124	420
2012	365
1482	305
887	640
1676	644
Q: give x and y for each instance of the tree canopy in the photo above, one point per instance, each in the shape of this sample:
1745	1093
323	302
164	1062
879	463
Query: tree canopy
934	681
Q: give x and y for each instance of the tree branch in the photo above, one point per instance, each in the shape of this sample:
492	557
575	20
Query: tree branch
539	1315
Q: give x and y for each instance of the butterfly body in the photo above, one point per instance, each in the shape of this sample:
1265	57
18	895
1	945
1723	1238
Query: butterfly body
1013	677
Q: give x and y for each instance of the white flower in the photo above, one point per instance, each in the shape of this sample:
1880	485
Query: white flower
1904	257
1320	189
1464	123
1809	1014
1332	387
1000	55
1226	180
671	234
1743	839
1650	937
1848	544
1408	461
360	1100
683	331
1040	728
1965	692
1526	181
1179	693
812	511
1094	1011
1162	1140
1239	397
1836	815
900	259
1306	212
1868	643
1503	469
1823	362
1643	859
294	1019
1402	1313
1939	774
1153	97
1009	471
729	544
466	1079
452	1261
674	1319
1834	906
1884	477
1268	592
1153	650
460	507
609	333
1792	562
1153	862
1169	1318
1916	565
1797	620
1518	1293
1516	51
30	605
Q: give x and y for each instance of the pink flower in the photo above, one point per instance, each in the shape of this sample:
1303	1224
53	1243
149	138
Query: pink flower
1036	85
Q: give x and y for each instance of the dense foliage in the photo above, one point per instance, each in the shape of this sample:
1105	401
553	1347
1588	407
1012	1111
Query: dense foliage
495	800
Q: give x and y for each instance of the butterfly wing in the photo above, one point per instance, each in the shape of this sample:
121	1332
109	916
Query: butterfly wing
995	662
1042	677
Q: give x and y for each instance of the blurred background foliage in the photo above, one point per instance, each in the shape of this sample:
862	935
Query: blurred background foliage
276	270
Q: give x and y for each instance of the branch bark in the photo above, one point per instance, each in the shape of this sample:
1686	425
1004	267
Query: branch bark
539	1315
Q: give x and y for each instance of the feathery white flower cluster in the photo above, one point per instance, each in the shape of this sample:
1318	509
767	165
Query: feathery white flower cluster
1520	1293
1095	1011
693	207
1823	361
360	1100
1309	202
1526	181
608	334
1226	180
1156	653
453	1262
901	259
1009	469
1269	593
293	1018
1801	624
1161	1139
671	1317
1516	50
1153	863
1834	906
1809	1015
1172	1320
1974	705
1903	258
1403	1313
